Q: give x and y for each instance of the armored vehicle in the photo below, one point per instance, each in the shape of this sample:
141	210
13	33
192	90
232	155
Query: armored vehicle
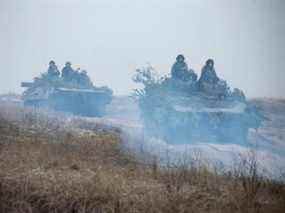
76	94
190	111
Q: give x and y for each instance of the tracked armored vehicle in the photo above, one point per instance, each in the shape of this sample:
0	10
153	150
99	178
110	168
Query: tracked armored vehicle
189	111
75	95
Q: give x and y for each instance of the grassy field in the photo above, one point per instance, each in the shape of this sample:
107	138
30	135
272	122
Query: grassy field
54	163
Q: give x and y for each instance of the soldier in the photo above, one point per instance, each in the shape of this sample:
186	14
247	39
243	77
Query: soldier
76	76
84	79
52	70
208	74
67	72
210	83
180	70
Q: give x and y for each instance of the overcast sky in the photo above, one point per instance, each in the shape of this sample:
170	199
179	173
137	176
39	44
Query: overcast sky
110	38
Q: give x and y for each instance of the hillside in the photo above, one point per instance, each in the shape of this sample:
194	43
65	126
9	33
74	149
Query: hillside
51	162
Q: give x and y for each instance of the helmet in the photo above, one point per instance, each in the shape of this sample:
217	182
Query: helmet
180	56
51	62
67	63
210	61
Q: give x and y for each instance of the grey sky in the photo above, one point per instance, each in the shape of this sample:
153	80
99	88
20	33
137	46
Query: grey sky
110	38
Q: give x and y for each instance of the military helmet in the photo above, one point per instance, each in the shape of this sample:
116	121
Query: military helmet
180	56
51	62
68	63
210	61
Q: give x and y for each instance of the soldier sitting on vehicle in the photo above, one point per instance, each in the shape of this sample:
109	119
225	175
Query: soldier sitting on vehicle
210	83
76	77
67	72
84	79
52	70
180	71
208	73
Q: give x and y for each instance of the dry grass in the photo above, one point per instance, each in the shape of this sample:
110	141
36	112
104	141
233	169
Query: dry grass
47	165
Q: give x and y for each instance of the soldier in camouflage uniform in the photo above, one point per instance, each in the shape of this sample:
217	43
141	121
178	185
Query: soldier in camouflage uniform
210	83
67	72
84	79
52	70
208	73
180	71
